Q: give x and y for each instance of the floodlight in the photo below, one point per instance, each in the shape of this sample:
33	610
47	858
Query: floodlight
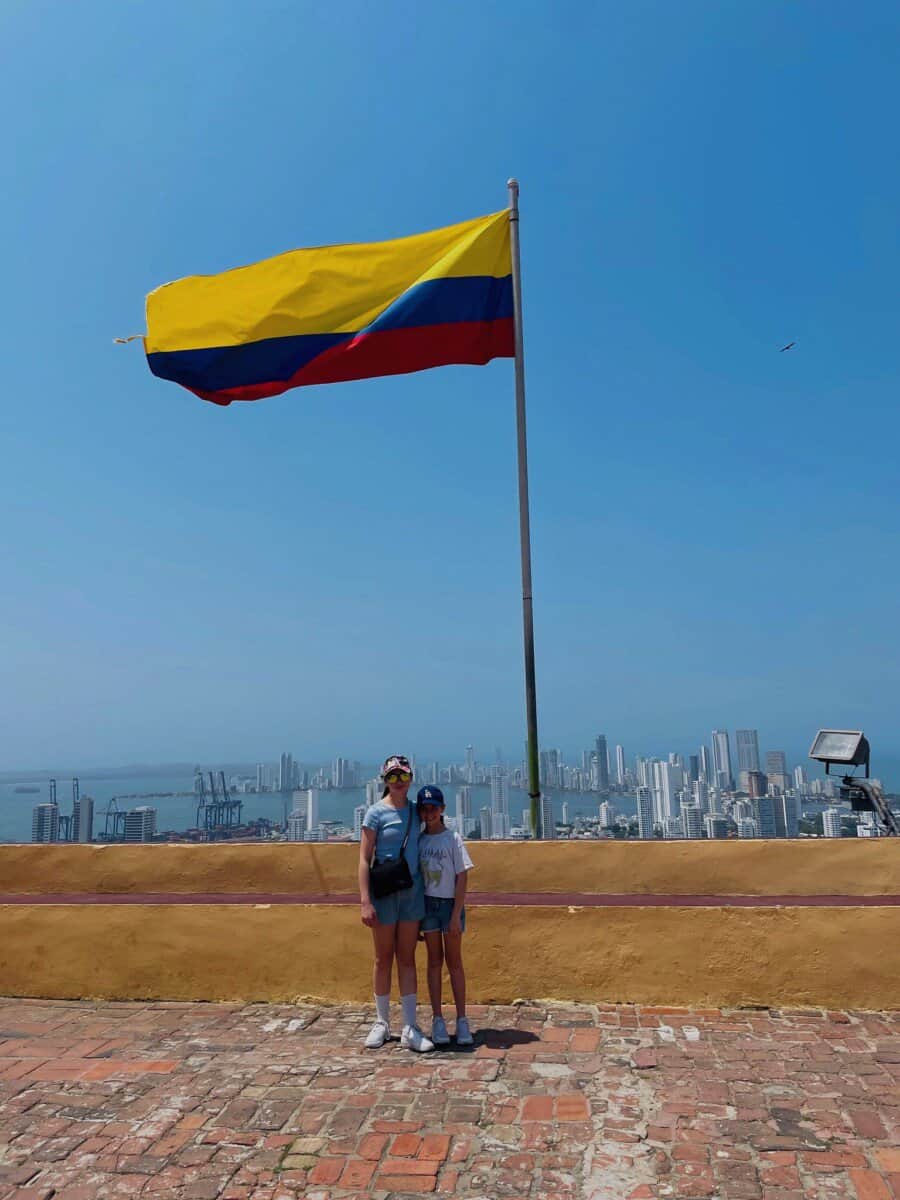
841	747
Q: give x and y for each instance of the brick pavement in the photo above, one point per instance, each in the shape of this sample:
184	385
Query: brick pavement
269	1102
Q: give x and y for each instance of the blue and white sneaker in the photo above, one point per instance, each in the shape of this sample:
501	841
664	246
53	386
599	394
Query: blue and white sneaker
463	1032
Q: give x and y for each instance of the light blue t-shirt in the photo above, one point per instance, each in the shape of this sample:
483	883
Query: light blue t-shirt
389	824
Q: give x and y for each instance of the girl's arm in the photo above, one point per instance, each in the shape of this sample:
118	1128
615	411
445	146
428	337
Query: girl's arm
366	850
459	899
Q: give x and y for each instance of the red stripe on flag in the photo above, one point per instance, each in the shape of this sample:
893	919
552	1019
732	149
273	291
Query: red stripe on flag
390	352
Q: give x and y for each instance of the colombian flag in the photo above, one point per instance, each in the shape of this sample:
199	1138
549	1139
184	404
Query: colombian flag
333	313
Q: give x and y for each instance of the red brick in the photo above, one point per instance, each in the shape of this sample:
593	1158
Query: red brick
888	1160
405	1183
538	1108
356	1175
585	1041
406	1145
894	1183
435	1145
396	1126
372	1146
783	1177
870	1185
410	1166
447	1182
327	1170
867	1123
833	1158
556	1037
572	1107
461	1150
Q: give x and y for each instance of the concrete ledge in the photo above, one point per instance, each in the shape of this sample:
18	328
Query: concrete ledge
820	957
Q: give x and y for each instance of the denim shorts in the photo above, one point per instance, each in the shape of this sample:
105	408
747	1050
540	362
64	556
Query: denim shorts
438	912
408	905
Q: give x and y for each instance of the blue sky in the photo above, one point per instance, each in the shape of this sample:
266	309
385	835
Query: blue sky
335	570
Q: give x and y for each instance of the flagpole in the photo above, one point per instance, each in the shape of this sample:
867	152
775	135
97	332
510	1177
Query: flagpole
534	785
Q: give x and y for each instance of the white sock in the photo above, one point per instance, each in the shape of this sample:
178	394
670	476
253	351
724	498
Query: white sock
408	1005
383	1008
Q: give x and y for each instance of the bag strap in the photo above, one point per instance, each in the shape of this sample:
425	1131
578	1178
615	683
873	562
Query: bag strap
408	828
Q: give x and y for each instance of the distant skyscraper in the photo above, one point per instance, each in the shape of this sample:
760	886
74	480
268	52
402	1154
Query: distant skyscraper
500	826
358	814
548	820
667	780
747	828
721	760
764	815
602	762
692	821
140	824
286	773
312	809
747	749
83	819
757	784
470	764
620	766
801	781
700	795
499	789
706	771
716	825
487	825
45	823
260	777
607	815
645	813
565	813
789	809
463	808
296	827
776	769
693	768
374	789
831	822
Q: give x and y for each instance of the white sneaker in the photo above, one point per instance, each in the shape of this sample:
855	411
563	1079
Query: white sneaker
378	1035
463	1032
439	1034
412	1038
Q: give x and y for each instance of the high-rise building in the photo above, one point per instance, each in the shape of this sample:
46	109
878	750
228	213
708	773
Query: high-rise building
296	827
747	749
312	809
487	824
470	764
787	816
358	816
757	784
831	822
693	768
801	781
692	821
620	766
747	828
667	781
607	815
565	813
602	762
716	825
776	769
764	815
140	824
644	798
500	826
374	788
260	777
721	760
83	819
45	823
706	771
548	820
499	789
700	795
286	773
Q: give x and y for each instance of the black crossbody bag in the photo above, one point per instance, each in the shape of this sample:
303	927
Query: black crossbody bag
392	875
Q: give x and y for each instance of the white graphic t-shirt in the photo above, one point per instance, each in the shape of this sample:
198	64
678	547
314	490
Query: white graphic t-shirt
442	856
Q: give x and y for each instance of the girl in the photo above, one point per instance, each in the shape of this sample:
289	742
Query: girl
445	867
394	920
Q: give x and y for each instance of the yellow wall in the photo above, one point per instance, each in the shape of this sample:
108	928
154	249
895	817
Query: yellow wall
847	866
835	957
840	957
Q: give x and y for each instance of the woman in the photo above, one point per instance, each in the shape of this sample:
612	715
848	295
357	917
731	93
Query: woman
394	919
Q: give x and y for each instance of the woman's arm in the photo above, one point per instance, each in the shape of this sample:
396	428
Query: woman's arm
366	850
459	899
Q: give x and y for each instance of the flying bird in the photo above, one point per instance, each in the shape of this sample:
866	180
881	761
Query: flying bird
789	346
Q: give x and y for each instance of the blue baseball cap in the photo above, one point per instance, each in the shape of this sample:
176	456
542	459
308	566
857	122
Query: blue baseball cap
430	795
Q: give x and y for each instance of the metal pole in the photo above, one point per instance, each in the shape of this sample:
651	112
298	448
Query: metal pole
534	778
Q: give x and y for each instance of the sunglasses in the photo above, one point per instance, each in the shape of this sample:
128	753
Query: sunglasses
398	777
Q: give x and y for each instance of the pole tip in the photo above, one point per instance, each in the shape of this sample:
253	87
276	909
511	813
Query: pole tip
512	183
